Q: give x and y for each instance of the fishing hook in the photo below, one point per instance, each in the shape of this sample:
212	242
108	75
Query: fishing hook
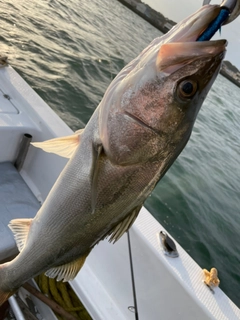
233	7
230	9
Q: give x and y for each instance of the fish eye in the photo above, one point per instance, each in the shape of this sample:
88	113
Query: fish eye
187	89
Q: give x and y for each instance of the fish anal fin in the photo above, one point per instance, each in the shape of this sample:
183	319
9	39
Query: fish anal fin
63	146
20	229
67	271
123	226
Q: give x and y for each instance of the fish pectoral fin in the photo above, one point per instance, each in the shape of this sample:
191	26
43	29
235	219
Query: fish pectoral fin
79	131
68	271
63	146
20	229
124	225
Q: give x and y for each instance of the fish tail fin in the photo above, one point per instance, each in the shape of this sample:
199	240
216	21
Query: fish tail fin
4	293
4	296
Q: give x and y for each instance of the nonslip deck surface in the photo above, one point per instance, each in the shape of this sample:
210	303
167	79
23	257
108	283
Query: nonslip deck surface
16	201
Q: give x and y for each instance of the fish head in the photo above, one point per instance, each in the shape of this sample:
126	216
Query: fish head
149	109
170	101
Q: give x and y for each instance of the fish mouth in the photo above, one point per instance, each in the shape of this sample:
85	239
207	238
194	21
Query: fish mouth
181	45
173	56
193	26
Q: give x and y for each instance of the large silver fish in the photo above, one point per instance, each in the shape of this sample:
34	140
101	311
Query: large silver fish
138	130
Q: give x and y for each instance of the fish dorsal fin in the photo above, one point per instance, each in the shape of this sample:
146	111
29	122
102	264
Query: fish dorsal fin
124	225
68	271
20	229
63	146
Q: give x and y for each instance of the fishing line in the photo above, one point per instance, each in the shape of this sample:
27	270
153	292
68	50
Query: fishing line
132	277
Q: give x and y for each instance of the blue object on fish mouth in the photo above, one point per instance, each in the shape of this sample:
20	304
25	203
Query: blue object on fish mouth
214	26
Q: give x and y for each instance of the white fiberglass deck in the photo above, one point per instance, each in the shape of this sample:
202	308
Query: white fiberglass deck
16	201
166	288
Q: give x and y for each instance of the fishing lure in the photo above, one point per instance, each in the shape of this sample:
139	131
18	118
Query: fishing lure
215	25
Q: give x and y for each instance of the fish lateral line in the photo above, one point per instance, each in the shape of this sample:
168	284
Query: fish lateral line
96	150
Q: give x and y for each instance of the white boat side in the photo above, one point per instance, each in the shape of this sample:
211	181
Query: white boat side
166	288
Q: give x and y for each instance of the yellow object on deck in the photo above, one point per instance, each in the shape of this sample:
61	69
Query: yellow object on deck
63	294
211	278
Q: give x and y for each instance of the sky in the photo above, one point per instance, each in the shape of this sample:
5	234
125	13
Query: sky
177	10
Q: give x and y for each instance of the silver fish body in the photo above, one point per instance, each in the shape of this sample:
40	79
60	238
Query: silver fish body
140	127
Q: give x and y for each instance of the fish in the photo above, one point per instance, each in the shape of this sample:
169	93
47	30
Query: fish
138	130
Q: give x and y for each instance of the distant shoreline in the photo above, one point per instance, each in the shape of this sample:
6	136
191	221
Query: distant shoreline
163	24
158	24
229	77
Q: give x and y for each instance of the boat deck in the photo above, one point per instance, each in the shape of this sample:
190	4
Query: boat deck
16	201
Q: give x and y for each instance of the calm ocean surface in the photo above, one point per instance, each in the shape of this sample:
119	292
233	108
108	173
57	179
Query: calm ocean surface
69	51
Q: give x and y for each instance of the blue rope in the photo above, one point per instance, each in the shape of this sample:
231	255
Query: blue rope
214	26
